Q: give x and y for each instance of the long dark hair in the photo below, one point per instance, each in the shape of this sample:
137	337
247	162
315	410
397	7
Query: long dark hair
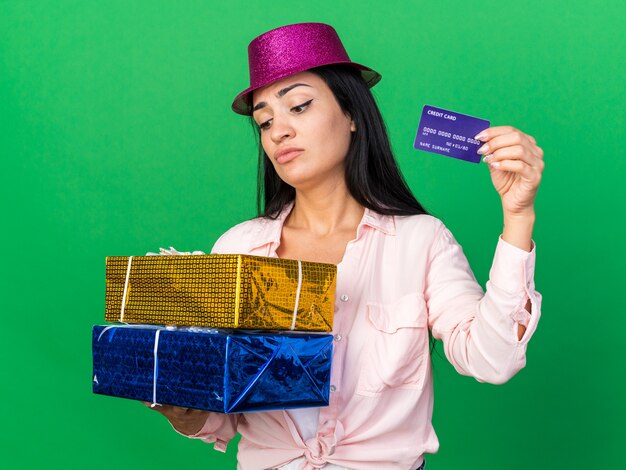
372	174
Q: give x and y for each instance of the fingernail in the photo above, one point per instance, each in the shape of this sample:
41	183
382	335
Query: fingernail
486	158
483	149
480	135
495	165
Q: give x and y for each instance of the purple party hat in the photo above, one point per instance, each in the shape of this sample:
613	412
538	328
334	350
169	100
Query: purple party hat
292	49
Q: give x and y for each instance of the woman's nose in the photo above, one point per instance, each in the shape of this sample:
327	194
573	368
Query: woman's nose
281	129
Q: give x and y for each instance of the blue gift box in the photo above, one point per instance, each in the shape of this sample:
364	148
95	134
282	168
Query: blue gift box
215	370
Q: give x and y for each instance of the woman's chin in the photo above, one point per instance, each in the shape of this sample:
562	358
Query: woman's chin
304	179
298	179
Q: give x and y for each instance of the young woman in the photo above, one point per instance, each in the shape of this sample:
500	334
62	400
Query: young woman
330	191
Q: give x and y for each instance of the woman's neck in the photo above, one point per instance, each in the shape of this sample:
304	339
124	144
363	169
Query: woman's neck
323	213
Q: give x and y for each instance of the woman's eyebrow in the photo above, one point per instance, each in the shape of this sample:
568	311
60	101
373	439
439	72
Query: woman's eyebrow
280	94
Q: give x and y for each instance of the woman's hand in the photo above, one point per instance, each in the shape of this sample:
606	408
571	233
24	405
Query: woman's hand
516	164
185	420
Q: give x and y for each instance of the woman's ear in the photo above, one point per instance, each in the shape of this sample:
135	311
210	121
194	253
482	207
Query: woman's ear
352	126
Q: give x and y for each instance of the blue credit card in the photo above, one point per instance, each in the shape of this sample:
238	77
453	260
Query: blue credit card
449	133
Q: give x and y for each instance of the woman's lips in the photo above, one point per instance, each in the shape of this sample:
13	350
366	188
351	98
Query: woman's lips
288	156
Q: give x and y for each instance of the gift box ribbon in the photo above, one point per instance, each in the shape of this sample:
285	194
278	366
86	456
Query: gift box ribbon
130	261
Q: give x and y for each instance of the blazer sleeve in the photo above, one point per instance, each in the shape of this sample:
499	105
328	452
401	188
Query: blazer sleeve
479	329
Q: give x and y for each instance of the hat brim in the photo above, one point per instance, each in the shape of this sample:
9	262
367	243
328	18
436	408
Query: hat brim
241	104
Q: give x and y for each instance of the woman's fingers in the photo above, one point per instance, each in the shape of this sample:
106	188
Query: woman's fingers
509	139
508	143
187	421
515	152
531	175
514	166
168	410
533	162
492	132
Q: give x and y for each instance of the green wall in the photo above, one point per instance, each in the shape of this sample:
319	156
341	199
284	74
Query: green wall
116	138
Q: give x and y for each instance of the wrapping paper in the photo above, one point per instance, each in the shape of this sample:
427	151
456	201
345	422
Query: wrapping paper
221	291
214	370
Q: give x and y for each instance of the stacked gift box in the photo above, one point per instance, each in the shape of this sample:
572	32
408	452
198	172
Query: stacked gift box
226	333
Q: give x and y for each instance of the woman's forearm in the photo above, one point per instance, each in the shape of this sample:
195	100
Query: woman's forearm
518	229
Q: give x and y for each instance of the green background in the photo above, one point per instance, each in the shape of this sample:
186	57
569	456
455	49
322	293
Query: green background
116	138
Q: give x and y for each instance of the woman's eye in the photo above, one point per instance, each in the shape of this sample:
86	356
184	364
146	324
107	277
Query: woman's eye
301	107
296	109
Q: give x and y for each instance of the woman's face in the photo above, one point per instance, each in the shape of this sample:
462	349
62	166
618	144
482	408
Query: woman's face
303	130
